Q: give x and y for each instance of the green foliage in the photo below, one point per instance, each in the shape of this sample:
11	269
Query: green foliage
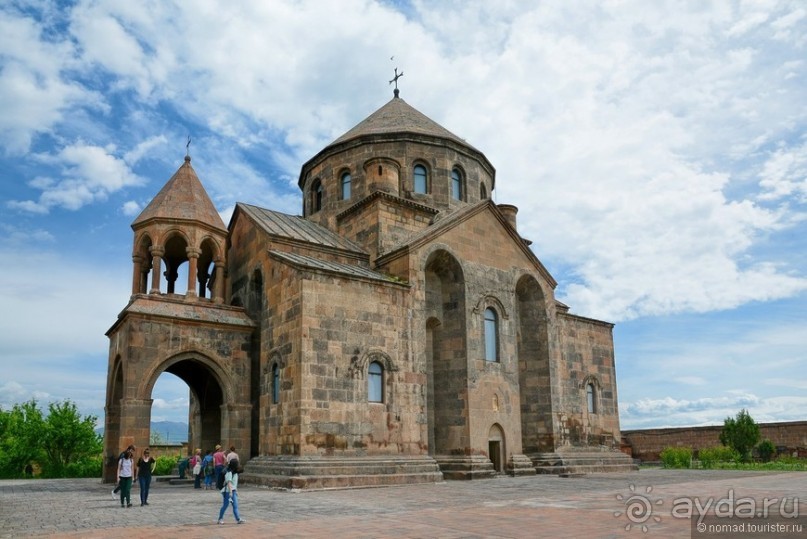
155	438
59	445
165	465
20	430
676	457
741	434
766	450
709	457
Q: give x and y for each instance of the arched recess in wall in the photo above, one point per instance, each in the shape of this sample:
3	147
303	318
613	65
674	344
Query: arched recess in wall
496	447
255	309
533	366
445	311
205	268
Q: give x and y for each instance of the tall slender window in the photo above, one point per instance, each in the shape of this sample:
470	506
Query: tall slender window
591	401
421	181
275	384
346	186
491	335
456	184
316	196
375	387
483	193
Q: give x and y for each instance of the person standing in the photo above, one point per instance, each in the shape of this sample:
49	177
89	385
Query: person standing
196	466
219	460
133	449
232	455
230	491
125	471
145	467
208	469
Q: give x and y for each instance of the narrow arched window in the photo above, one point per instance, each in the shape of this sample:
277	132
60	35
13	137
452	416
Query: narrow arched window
421	179
316	196
345	185
456	184
491	335
591	401
375	386
483	193
275	383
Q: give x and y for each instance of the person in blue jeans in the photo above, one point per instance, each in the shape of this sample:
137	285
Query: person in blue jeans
145	467
208	470
230	491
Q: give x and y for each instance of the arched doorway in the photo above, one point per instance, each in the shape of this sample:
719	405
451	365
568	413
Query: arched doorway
496	448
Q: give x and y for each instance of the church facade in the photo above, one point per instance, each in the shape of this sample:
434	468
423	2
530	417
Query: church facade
400	330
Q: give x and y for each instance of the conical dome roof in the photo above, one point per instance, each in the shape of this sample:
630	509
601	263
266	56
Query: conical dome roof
182	198
397	116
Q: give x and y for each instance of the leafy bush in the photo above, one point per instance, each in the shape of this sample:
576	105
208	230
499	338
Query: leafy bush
165	465
766	450
87	467
709	456
676	457
740	433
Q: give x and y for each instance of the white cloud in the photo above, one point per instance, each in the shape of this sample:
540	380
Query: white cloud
131	208
89	174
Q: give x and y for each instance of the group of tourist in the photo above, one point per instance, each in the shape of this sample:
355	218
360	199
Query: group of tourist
216	465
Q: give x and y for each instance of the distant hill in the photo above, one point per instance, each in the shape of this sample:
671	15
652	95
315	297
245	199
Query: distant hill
168	431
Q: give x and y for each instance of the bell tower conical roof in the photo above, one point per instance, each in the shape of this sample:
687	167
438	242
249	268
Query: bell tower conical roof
182	198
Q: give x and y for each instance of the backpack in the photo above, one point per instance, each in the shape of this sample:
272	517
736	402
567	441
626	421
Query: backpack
209	469
220	480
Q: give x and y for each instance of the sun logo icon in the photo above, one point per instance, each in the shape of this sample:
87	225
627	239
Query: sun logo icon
638	508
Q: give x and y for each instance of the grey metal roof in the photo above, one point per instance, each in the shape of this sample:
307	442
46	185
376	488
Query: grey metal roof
332	267
297	228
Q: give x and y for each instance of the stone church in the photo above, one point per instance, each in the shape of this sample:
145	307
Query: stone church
400	330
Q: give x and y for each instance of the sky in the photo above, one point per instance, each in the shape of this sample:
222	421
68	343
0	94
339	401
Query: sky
657	152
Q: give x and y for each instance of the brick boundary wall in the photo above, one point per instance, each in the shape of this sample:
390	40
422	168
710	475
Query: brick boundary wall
789	438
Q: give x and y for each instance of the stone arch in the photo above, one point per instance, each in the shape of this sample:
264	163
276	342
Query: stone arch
445	312
175	253
358	365
112	418
532	341
489	300
211	389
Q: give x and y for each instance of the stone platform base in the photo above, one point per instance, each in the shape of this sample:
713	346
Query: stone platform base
461	467
576	461
318	472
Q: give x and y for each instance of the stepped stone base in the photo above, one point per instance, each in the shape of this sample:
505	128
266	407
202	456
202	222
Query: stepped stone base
463	467
318	472
574	462
520	465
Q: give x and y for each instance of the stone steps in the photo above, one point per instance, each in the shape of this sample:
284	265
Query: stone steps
582	462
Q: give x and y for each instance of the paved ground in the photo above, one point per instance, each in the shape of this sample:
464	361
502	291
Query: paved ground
592	506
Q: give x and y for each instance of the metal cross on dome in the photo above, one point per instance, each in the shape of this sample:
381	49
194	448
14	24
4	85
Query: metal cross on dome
395	80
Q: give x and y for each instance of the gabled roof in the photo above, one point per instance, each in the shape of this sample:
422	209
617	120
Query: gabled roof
296	228
348	270
454	219
183	198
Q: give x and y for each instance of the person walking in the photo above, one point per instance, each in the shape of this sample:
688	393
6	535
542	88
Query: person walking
115	490
230	492
145	467
124	476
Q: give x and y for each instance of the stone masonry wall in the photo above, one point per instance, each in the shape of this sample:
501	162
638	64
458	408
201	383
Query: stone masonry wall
646	444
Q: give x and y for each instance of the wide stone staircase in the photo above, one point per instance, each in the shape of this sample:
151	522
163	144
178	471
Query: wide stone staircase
581	461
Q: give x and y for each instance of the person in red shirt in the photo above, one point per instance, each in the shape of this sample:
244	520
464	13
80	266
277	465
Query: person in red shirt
219	460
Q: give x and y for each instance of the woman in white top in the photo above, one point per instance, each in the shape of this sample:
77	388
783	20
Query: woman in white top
125	471
230	490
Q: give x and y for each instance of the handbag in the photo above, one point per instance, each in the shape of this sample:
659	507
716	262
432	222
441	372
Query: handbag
197	469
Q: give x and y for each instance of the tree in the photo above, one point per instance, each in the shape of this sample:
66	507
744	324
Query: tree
54	443
68	438
20	431
741	434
